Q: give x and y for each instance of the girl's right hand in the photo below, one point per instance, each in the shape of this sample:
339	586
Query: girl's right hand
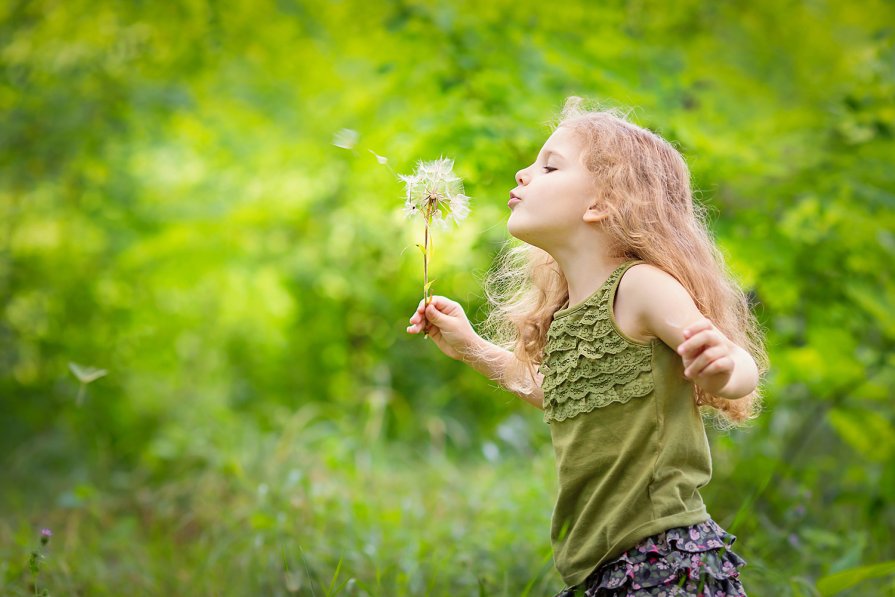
447	325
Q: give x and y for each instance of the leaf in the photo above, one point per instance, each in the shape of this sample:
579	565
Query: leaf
877	302
868	432
834	583
335	576
422	248
428	285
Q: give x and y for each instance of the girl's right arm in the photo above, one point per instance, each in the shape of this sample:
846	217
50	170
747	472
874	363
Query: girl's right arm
450	330
495	365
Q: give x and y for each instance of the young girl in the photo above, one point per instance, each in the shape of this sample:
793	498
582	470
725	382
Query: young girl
618	318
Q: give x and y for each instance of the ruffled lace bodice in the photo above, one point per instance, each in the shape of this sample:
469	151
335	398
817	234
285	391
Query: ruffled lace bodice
587	362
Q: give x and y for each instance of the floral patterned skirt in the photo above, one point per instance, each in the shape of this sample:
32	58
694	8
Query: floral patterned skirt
693	560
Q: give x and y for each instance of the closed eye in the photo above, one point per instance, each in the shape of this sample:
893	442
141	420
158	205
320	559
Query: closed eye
549	169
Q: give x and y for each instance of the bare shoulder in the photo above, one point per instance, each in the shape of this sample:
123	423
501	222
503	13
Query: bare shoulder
645	279
656	303
639	286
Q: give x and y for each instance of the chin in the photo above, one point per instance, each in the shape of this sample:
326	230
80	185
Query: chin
514	229
519	232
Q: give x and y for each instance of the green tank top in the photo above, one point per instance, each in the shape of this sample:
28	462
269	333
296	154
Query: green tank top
631	449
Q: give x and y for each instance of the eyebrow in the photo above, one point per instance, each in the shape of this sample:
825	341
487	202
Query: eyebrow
550	151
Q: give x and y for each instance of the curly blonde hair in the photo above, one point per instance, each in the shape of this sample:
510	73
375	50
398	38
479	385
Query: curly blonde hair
645	184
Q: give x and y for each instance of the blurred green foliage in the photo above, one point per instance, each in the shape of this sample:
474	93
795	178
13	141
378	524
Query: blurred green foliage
174	211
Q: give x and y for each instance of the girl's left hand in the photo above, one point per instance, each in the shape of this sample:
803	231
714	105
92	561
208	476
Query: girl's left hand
708	356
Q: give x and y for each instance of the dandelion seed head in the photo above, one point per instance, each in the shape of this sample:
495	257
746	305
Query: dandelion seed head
434	188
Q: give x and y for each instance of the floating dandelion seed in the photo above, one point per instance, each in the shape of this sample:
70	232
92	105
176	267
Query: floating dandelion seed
85	375
434	193
382	160
345	138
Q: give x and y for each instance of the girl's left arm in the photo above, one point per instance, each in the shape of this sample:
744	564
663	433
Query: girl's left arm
711	360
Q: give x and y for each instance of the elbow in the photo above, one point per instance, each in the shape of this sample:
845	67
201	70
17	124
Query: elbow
745	378
535	398
741	385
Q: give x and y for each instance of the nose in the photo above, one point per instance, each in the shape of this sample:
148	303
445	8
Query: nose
519	177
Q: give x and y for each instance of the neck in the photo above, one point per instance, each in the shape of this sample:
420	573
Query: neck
586	265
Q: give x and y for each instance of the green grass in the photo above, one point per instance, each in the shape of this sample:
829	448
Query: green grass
312	508
306	511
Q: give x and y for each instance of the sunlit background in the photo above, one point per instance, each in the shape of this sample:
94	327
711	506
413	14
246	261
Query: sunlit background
205	279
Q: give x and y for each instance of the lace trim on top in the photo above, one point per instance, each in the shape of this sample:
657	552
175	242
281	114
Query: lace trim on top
587	364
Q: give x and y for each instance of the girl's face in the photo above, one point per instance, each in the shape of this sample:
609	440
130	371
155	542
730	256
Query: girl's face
555	193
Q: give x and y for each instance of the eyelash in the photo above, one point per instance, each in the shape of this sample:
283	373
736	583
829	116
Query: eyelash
549	168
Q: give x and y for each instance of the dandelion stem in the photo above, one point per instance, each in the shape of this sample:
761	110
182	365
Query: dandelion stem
427	244
426	262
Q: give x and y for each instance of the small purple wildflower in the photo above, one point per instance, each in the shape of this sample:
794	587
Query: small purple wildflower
34	561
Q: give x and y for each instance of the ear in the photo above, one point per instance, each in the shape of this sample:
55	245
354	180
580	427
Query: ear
595	213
